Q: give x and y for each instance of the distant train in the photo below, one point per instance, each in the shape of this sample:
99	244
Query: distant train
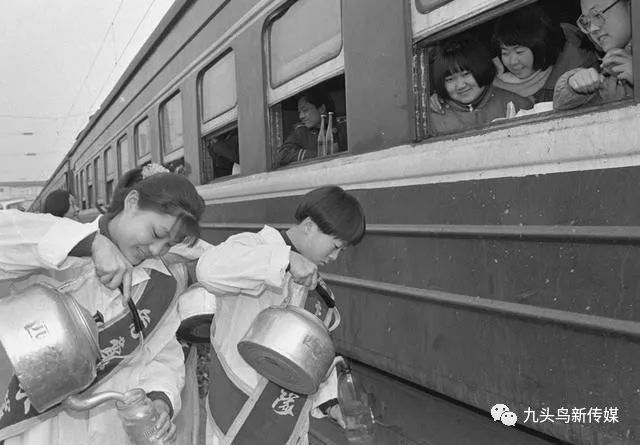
502	263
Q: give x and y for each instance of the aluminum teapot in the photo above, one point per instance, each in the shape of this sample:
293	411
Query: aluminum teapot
292	347
52	344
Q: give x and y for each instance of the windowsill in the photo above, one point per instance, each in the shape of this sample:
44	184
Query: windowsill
313	160
530	119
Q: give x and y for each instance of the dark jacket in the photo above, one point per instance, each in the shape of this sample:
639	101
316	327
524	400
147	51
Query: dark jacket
302	142
492	106
612	89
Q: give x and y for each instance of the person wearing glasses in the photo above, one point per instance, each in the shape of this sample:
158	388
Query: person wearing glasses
608	25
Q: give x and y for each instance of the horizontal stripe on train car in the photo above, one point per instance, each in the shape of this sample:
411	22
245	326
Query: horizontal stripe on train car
487	357
574	234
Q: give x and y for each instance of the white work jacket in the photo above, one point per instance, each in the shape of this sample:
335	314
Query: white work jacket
247	274
29	242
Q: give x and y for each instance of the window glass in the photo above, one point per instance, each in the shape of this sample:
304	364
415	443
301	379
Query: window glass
171	124
308	34
109	190
219	88
109	162
99	176
83	191
89	187
143	135
123	155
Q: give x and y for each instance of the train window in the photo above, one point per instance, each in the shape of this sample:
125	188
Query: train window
171	125
109	172
534	59
142	134
310	124
83	191
89	187
304	36
123	155
218	88
220	154
98	179
219	149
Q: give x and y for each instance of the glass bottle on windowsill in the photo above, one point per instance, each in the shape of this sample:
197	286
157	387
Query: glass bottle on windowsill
330	140
322	137
356	411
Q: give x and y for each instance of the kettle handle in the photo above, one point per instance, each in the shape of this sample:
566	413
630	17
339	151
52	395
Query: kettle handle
326	294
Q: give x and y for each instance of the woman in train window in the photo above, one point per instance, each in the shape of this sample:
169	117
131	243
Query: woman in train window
462	74
151	211
608	25
61	203
535	51
302	143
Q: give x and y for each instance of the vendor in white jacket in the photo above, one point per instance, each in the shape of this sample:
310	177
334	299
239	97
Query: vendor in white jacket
248	273
149	214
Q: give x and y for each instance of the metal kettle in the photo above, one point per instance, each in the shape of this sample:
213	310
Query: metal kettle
292	347
52	344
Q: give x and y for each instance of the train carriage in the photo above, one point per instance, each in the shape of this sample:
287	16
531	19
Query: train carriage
500	264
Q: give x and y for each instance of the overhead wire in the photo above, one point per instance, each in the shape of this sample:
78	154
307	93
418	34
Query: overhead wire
98	96
86	77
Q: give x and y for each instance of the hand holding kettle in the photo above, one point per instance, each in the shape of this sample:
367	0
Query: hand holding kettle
303	271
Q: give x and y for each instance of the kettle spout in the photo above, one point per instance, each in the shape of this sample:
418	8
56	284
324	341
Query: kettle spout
80	403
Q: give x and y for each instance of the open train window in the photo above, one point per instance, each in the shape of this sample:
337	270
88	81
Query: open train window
310	124
219	148
493	62
123	155
142	134
171	129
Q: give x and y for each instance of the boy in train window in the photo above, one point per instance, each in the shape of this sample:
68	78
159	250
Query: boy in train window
302	142
608	25
250	272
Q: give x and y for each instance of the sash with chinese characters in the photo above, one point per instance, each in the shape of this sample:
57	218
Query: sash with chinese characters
270	415
118	342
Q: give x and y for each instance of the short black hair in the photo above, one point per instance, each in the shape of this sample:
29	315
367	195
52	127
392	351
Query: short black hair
168	193
533	28
461	53
318	96
57	203
336	213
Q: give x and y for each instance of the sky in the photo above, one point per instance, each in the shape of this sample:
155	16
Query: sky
60	60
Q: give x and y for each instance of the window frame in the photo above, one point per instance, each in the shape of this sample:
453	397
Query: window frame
229	115
174	153
146	157
119	166
469	20
317	74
